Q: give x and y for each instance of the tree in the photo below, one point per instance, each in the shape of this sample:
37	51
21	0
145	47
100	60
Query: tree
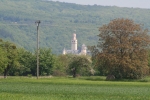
122	49
79	65
28	64
26	61
61	68
3	59
11	55
47	61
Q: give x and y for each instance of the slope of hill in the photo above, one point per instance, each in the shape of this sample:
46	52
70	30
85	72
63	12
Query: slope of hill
58	22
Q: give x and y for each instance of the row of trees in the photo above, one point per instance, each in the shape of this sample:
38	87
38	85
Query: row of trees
19	62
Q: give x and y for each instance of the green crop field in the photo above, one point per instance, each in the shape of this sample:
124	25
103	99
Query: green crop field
24	88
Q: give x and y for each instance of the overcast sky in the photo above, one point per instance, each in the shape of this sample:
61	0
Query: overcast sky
120	3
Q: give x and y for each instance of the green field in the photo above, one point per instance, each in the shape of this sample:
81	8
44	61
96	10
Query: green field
92	88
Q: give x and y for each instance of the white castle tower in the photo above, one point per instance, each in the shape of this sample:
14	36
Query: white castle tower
74	43
64	51
83	50
74	49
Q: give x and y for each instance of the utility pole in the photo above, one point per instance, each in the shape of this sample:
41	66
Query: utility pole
37	56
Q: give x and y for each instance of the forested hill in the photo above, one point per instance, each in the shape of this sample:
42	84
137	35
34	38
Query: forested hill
58	22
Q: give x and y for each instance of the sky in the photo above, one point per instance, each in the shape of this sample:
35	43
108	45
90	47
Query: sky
119	3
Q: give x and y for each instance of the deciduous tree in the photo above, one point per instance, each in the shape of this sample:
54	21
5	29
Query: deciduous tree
11	55
47	61
122	49
62	62
79	65
3	60
26	62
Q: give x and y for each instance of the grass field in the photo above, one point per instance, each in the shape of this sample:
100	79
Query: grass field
92	88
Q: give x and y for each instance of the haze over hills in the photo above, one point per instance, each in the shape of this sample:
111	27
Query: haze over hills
58	22
118	3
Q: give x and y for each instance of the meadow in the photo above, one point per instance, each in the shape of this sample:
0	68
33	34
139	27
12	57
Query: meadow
84	88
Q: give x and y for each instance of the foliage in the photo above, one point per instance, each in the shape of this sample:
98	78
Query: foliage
122	49
62	65
26	62
11	55
47	61
21	88
58	20
80	65
3	58
17	61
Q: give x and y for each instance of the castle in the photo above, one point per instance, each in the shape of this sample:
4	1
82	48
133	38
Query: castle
74	49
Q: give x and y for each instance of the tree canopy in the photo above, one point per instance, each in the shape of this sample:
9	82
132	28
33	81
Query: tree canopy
9	53
3	60
79	65
122	49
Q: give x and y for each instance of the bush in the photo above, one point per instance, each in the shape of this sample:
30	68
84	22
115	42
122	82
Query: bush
58	73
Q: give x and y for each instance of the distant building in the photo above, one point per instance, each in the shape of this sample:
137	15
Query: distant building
74	49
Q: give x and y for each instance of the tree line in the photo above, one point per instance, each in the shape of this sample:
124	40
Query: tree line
20	62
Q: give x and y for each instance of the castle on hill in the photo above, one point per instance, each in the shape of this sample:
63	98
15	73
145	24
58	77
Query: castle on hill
74	49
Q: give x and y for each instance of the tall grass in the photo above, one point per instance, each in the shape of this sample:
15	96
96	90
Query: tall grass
20	88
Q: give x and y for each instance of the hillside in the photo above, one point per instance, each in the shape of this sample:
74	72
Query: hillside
58	22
